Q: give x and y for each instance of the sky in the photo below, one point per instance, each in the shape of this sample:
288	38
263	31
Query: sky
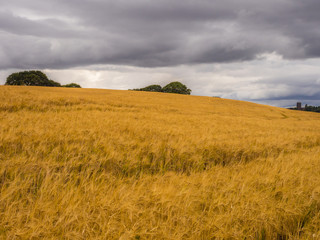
260	51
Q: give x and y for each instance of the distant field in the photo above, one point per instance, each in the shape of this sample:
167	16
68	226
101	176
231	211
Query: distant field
104	164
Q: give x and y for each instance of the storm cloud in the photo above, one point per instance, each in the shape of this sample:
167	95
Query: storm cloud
145	33
146	41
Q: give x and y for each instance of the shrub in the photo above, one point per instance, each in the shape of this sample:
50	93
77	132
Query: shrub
151	88
72	85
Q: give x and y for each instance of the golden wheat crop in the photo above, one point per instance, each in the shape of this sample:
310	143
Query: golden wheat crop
103	164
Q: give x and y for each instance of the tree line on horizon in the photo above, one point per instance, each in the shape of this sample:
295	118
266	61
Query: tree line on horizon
308	108
173	87
35	78
312	108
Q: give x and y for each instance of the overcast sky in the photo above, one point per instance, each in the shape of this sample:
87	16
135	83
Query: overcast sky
254	50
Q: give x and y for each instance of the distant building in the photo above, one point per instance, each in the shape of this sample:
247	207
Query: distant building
299	106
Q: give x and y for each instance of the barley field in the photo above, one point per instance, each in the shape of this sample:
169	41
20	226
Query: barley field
107	164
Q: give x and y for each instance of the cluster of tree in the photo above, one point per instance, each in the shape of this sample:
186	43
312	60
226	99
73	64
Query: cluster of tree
307	108
312	108
174	87
35	78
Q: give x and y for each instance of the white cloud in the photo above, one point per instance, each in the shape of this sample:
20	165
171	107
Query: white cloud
262	80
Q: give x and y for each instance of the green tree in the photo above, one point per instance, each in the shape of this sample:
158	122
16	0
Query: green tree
72	85
312	108
30	78
176	87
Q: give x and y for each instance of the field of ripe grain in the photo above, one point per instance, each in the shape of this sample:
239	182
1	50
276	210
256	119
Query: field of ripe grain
103	164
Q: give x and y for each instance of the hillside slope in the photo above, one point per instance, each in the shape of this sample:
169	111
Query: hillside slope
106	164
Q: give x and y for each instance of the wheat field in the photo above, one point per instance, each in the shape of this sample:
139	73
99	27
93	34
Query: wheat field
107	164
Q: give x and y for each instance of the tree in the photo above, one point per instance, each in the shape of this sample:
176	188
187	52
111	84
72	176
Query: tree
72	85
30	78
151	88
312	108
176	87
35	78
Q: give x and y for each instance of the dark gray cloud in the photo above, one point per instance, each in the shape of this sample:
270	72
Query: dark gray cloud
64	34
